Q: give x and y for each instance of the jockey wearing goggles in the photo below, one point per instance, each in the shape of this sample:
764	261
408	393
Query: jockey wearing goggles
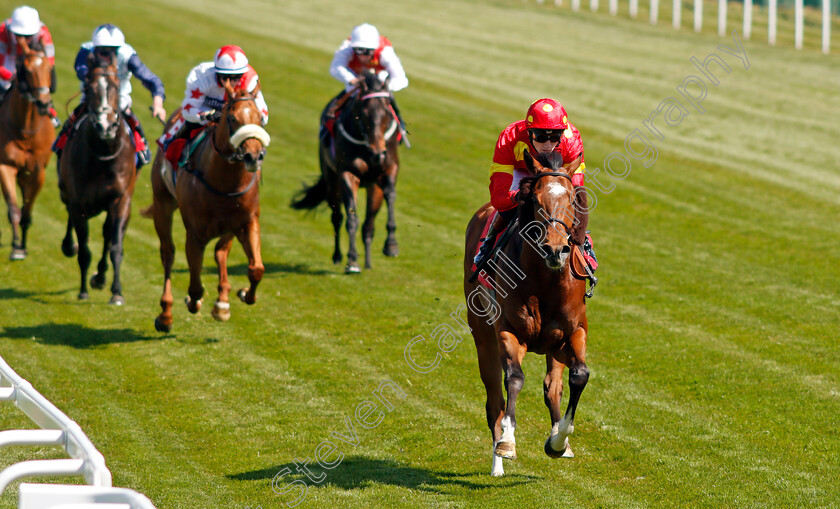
108	46
366	49
205	93
544	130
24	25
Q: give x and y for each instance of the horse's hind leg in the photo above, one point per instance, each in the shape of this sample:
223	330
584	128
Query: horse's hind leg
334	199
162	210
557	444
374	202
250	240
391	247
7	182
511	355
97	280
29	191
221	310
194	249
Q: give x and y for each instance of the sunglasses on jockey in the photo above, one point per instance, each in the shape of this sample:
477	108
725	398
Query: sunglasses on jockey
363	51
105	51
232	78
544	136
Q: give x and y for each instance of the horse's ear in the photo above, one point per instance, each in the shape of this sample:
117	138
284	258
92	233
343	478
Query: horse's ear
529	161
229	89
24	46
257	88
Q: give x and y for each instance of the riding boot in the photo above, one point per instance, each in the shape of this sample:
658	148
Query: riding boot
183	134
499	224
144	155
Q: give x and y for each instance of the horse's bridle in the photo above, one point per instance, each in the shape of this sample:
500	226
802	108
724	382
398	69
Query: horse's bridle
551	219
27	91
388	134
238	155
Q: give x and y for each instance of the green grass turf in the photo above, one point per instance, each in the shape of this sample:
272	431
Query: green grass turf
713	336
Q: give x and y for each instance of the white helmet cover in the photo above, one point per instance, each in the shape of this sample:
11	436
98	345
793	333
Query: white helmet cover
230	60
25	21
365	36
107	35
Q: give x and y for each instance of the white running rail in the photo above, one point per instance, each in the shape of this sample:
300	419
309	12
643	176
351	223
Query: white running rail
57	429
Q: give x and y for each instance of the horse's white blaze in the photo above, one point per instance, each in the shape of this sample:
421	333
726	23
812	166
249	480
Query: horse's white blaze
37	61
248	131
507	430
556	189
104	108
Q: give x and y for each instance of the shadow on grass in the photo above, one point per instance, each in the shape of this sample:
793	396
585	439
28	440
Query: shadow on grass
14	293
270	268
358	472
76	335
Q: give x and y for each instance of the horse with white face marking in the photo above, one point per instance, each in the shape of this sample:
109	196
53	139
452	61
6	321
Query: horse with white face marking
218	194
97	173
541	304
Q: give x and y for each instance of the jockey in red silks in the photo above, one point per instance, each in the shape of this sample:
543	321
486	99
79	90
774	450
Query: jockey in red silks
364	49
25	24
205	93
108	46
544	130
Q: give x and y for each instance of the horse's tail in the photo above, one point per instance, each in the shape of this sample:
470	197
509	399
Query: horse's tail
310	196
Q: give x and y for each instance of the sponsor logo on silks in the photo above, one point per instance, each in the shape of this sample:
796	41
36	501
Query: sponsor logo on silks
214	103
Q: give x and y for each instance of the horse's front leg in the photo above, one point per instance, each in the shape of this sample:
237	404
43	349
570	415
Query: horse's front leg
512	353
97	281
194	250
221	310
29	191
557	444
7	182
390	192
68	247
374	202
491	376
349	189
80	224
250	240
119	225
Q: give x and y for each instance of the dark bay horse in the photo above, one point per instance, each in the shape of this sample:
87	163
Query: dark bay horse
97	174
540	306
362	154
218	194
26	135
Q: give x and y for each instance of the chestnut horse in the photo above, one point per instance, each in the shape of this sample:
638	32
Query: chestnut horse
218	194
26	135
543	311
363	153
97	173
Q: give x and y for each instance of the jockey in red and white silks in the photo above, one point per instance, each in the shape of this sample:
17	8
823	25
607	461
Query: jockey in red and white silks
205	93
25	23
366	49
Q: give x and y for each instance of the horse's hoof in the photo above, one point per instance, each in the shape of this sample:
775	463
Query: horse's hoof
506	450
352	268
391	250
117	300
221	311
69	250
97	282
83	296
160	326
17	254
566	452
336	258
243	296
192	307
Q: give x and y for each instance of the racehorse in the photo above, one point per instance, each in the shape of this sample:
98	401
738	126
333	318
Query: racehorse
26	134
543	311
363	153
97	173
218	194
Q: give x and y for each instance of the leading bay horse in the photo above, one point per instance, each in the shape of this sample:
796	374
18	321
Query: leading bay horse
97	173
218	194
26	135
540	306
363	153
